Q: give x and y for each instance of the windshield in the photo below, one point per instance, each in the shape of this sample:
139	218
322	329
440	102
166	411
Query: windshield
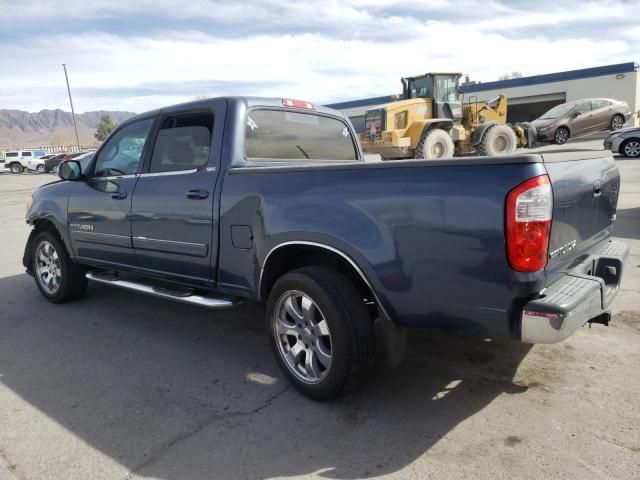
557	112
421	87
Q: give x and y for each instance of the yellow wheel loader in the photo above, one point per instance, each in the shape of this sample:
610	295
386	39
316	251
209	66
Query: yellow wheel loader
431	122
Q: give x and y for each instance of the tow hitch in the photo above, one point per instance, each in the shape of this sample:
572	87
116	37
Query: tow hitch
604	318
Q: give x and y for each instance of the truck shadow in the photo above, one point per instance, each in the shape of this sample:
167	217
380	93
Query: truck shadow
627	223
176	392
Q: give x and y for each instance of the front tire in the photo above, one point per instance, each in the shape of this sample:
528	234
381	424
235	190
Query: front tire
561	136
320	330
617	122
631	148
16	168
435	144
40	169
498	140
57	277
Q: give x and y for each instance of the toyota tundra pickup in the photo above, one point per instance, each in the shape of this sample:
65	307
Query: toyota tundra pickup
268	200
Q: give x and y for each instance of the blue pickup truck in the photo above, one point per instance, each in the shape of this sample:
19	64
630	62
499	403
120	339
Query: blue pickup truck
269	200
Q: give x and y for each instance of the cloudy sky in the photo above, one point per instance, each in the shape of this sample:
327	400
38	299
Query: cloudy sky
140	54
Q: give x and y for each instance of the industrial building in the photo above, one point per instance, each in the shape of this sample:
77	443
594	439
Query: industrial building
529	97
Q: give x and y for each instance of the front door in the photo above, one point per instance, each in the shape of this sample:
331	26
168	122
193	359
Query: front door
173	228
99	207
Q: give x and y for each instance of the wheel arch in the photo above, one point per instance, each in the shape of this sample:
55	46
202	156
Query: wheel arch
478	133
289	256
40	225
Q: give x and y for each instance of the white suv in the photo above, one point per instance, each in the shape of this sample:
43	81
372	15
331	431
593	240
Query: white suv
17	161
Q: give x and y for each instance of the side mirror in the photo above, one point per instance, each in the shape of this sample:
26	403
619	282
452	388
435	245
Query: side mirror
576	114
70	170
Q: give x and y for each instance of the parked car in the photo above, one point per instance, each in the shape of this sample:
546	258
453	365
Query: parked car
286	212
579	117
17	161
625	142
51	163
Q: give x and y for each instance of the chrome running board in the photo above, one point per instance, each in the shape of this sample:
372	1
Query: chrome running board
178	296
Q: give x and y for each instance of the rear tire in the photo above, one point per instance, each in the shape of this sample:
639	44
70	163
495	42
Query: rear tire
320	330
57	277
617	122
435	144
16	168
561	136
498	140
631	148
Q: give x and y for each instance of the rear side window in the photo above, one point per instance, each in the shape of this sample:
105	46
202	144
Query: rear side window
11	154
26	154
600	103
183	143
286	135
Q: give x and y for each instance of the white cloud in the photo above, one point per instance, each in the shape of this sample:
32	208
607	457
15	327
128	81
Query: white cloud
357	53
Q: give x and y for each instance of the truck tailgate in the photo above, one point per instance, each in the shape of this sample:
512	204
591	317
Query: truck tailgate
585	188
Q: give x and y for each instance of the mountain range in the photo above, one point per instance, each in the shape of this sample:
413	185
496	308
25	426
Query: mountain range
50	127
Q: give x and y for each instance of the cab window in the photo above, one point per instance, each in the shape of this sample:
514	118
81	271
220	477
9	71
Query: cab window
183	143
26	154
288	135
122	153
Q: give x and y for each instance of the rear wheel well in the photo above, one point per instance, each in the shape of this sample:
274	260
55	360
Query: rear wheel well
292	257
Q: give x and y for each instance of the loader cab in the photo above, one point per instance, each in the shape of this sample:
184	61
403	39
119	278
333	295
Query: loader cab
443	88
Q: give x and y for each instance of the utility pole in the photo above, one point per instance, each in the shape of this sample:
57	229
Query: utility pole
73	115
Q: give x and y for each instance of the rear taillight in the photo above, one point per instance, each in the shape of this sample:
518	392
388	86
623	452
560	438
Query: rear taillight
298	104
529	211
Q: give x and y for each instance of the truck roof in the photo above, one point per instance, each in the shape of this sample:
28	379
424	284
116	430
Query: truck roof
248	101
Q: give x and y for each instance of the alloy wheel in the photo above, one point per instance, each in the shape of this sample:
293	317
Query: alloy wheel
632	148
562	136
48	271
302	336
617	123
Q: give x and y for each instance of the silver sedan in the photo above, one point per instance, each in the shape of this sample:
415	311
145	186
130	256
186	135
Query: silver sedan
625	142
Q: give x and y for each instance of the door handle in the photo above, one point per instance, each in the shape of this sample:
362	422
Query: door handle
119	195
197	194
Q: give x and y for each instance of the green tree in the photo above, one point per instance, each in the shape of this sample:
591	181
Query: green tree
104	128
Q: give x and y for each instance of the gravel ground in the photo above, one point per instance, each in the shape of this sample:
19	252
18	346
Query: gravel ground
124	386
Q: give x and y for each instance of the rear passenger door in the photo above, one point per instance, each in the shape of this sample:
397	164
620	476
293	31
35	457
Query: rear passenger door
601	111
173	226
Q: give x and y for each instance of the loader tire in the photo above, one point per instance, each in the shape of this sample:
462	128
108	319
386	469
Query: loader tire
435	144
498	140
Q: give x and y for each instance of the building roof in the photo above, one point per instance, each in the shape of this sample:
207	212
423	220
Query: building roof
628	67
553	77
